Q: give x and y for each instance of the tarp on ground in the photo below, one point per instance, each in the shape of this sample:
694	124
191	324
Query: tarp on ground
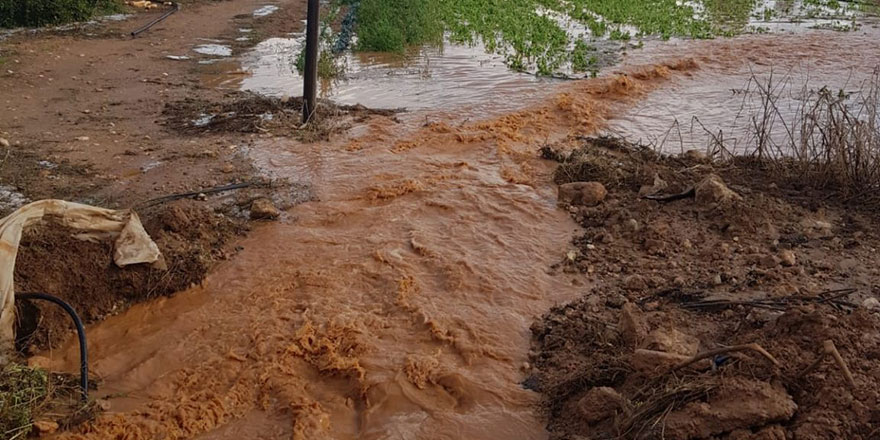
133	246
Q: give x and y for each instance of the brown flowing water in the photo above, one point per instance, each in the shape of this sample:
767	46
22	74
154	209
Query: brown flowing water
398	304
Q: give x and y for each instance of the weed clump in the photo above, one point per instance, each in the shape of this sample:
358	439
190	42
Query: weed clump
392	25
34	13
21	390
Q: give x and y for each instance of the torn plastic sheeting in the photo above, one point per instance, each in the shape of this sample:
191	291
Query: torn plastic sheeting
133	245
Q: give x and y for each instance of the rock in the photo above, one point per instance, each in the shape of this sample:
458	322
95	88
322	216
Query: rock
635	282
45	427
672	341
695	156
768	261
651	360
83	138
264	209
713	190
788	258
632	225
658	185
871	304
4	143
228	168
601	403
632	324
582	193
737	403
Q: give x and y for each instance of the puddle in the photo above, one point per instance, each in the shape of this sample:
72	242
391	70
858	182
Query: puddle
11	199
265	10
202	121
721	103
213	49
458	78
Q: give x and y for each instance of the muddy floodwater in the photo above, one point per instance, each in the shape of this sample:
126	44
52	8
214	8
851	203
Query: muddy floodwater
397	304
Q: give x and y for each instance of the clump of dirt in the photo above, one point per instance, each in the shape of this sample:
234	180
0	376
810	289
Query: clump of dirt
684	259
190	236
251	113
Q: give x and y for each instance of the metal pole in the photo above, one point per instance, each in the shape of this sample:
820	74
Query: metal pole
310	87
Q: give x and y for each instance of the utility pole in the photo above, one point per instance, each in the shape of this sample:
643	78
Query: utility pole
310	86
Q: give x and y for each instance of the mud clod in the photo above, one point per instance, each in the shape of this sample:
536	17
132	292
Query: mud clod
730	299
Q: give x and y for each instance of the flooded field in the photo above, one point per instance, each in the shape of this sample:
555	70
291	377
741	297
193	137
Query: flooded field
401	298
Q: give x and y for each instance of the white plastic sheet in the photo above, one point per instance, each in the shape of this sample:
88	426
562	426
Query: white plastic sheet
133	245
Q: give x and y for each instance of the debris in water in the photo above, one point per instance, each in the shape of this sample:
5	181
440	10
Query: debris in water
265	10
214	49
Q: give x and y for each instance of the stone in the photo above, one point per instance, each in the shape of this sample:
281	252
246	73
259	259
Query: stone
582	193
45	427
672	341
658	185
264	209
601	403
768	261
736	403
228	168
713	190
632	325
632	225
635	282
788	258
871	304
83	138
695	156
4	143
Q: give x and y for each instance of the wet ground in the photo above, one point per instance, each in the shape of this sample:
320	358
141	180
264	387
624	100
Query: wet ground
398	302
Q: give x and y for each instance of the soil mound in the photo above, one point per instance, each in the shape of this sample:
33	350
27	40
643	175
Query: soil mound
251	113
716	316
190	236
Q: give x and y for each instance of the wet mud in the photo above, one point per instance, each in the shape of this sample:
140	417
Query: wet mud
398	305
397	301
726	267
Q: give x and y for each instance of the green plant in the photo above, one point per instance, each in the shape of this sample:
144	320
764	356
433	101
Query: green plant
21	389
49	12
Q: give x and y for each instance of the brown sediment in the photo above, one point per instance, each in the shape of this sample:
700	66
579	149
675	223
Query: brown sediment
396	306
399	303
672	284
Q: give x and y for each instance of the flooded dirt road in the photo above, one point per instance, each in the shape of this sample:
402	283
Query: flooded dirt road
398	303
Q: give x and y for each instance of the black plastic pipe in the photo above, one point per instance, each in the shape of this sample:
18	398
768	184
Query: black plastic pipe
81	332
174	8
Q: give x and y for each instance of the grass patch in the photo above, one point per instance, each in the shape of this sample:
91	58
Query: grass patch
36	13
533	35
831	142
22	389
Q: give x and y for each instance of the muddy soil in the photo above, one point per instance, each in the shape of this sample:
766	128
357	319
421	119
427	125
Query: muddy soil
724	265
251	113
191	237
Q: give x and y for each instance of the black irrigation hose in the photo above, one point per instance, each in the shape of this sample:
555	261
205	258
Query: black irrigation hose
174	8
81	332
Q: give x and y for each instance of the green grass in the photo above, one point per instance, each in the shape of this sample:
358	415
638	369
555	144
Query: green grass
531	39
35	13
21	389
